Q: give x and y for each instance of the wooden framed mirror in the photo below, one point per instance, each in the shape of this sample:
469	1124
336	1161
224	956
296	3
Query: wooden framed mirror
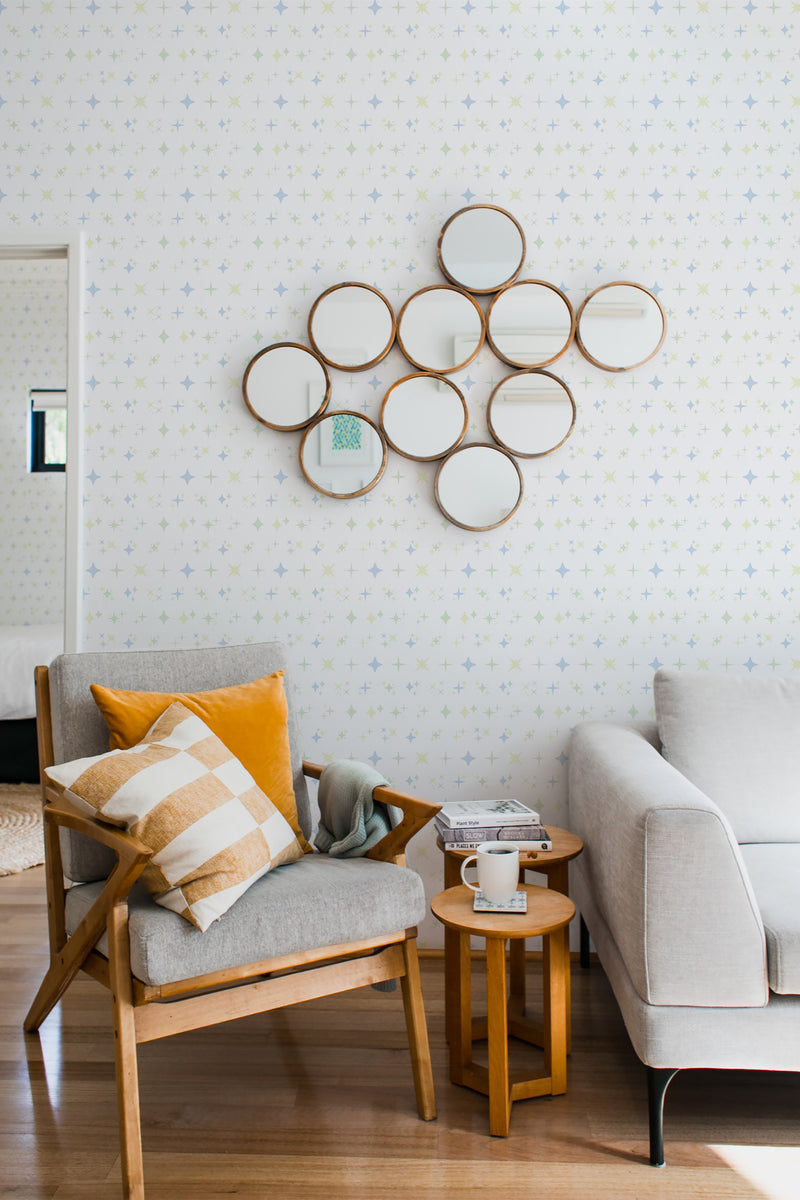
478	486
531	413
530	323
286	386
352	326
343	454
424	416
620	326
440	329
481	248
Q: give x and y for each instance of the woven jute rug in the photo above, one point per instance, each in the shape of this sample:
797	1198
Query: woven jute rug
21	838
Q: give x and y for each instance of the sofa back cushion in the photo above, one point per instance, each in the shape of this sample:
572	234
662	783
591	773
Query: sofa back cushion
737	738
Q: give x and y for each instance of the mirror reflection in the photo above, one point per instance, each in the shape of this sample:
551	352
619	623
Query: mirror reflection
424	416
478	486
481	248
286	386
351	326
620	326
440	328
530	323
343	454
531	413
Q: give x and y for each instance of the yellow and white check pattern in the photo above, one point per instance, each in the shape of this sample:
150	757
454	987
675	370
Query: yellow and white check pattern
181	792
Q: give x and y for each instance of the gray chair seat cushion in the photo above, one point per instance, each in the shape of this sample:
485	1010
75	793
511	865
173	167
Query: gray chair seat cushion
316	902
774	870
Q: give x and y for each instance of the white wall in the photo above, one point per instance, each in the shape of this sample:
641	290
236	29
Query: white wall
227	166
33	349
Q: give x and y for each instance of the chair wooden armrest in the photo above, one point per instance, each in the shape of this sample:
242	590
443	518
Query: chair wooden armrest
416	815
59	811
68	953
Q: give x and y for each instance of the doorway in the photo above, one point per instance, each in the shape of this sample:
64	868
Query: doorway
43	276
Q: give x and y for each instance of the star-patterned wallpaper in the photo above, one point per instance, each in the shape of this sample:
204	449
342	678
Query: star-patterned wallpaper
228	160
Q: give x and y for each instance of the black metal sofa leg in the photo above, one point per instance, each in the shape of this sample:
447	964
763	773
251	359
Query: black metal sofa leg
584	946
658	1080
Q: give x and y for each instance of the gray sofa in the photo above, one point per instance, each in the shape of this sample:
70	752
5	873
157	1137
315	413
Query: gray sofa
689	883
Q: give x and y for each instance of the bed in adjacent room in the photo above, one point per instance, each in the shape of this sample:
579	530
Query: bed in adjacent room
22	648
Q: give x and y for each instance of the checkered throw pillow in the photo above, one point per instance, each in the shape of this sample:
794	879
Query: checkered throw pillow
182	793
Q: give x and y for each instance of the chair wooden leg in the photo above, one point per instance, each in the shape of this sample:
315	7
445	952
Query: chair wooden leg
411	985
52	988
127	1071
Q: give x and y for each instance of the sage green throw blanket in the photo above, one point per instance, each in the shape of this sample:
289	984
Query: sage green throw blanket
351	822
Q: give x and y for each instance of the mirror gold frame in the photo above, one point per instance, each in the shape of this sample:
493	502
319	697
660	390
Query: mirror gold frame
592	295
375	358
494	308
444	385
446	463
251	403
460	283
429	368
343	412
496	394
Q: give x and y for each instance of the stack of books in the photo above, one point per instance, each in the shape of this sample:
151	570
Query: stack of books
464	824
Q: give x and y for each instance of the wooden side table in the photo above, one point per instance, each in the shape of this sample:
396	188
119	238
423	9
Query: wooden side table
554	864
548	915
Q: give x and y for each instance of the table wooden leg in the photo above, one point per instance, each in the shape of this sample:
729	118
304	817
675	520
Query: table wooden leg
556	968
452	877
557	878
499	1090
458	1004
516	971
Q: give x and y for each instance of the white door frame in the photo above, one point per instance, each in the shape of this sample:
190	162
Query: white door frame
65	243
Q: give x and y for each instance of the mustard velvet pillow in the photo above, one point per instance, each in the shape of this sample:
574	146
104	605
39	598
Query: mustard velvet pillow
183	794
252	719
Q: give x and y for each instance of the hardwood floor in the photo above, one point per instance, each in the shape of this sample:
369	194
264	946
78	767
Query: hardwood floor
317	1102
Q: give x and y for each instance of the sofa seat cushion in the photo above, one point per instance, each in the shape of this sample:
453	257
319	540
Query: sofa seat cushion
315	902
775	875
737	738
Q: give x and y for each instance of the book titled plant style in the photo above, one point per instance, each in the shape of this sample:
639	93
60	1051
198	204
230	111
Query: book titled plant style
458	814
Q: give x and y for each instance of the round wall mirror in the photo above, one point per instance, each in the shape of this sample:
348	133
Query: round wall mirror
620	326
531	413
424	416
440	328
343	454
481	248
351	326
530	323
478	486
286	386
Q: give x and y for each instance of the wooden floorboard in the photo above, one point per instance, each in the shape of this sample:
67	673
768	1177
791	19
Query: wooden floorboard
317	1102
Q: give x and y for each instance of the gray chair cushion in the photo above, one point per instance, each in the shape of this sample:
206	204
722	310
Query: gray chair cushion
737	738
774	872
80	730
316	902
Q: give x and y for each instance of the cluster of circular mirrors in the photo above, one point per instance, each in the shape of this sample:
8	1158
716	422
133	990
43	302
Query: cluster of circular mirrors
527	323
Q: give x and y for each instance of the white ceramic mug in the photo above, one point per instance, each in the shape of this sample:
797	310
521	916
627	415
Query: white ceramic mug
498	870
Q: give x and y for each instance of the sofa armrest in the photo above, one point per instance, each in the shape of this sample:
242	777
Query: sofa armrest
666	873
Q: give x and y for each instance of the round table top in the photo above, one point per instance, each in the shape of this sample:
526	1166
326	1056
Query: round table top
566	846
547	911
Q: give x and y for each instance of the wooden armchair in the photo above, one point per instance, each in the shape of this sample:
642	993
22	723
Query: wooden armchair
166	977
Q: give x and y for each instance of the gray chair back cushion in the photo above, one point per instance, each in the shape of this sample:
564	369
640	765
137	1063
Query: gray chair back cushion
80	730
